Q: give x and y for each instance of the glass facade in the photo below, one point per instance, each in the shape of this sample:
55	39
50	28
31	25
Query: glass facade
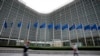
85	12
79	12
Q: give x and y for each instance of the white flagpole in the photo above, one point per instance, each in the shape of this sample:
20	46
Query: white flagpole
77	35
69	27
53	33
2	26
61	33
12	27
88	23
37	32
61	28
45	33
29	30
21	27
69	36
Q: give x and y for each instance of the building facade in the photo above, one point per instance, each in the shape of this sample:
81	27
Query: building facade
69	24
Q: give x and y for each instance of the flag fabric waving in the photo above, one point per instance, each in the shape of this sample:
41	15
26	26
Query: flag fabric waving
87	27
65	27
57	27
72	27
98	27
43	25
50	26
28	25
5	24
36	24
19	24
79	26
94	27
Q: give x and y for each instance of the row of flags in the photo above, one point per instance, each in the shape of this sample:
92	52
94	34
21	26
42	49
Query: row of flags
58	26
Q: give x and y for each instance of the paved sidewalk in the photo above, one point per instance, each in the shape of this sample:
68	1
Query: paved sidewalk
21	54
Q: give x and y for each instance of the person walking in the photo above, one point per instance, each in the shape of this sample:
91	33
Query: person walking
75	49
26	46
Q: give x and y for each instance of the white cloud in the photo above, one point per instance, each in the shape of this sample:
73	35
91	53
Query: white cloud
45	6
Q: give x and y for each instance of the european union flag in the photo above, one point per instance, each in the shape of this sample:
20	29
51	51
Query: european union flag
65	26
94	27
28	25
79	26
50	26
36	24
5	24
98	27
57	26
87	27
19	24
72	27
43	25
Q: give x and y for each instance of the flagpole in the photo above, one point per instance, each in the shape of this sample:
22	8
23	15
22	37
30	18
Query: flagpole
53	32
77	36
61	28
21	27
2	4
69	36
88	23
28	30
96	16
37	32
12	27
69	27
45	33
2	26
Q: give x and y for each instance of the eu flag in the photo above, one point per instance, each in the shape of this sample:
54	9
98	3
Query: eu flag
28	25
19	24
43	25
72	27
57	27
94	27
65	26
36	24
98	27
79	26
87	27
5	24
50	26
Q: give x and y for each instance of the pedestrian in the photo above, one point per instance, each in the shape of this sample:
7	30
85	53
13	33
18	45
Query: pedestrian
75	49
26	46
